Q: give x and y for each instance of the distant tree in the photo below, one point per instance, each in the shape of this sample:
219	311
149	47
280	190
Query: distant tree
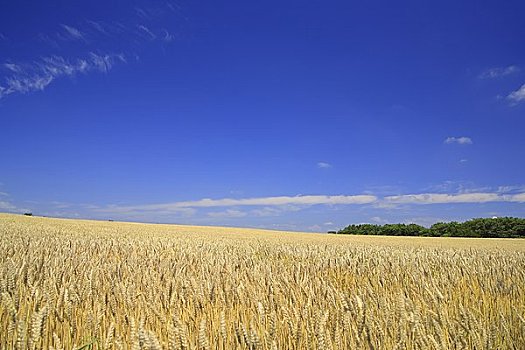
480	227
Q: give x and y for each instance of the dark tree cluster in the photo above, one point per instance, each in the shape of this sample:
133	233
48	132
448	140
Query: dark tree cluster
506	227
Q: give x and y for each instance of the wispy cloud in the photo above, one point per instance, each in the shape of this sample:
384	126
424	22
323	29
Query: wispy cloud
13	67
229	213
36	76
260	201
511	189
99	27
167	36
498	72
442	198
72	33
517	96
145	30
6	205
324	165
275	206
422	208
266	211
94	38
277	210
463	140
454	186
153	12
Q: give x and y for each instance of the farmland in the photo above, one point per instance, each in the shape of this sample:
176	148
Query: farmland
111	285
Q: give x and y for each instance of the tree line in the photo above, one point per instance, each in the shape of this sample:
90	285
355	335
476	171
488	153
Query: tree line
506	227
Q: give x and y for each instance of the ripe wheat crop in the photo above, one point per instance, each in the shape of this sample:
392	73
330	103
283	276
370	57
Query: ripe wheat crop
66	284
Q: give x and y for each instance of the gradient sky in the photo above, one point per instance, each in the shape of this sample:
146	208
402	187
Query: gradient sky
300	115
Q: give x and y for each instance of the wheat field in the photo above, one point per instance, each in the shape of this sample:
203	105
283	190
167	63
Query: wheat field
71	284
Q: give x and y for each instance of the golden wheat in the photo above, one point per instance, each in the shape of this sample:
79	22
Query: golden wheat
68	283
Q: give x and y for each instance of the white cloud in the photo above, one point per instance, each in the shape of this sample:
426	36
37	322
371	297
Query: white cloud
519	197
13	67
517	96
229	213
498	72
463	140
385	205
102	63
450	186
266	211
260	201
38	75
324	165
442	198
73	33
113	32
167	36
99	27
4	205
513	189
147	31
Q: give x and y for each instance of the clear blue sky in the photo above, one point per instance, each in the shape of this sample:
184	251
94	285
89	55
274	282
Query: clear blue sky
301	115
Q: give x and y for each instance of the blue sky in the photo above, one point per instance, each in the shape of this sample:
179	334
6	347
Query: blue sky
278	114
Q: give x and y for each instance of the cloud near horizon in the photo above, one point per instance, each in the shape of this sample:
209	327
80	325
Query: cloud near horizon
7	206
442	198
260	201
273	205
264	212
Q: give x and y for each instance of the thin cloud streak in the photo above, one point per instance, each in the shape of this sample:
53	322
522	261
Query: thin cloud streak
230	213
38	75
147	31
13	67
498	72
275	205
167	36
99	27
8	207
4	205
442	198
262	201
72	32
25	77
